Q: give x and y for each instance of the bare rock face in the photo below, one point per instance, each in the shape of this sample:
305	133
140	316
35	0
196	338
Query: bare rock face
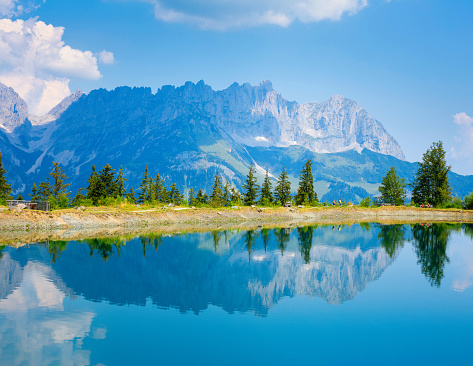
13	109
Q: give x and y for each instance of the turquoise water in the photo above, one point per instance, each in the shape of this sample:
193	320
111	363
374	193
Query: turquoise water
349	295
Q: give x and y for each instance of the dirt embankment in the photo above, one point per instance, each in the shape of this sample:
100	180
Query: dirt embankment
33	226
93	219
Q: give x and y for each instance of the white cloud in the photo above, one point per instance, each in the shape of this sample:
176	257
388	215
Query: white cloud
14	8
106	57
38	64
464	137
223	14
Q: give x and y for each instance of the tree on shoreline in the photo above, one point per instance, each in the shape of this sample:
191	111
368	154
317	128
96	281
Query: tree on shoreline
393	188
282	192
305	193
5	187
251	187
431	183
266	195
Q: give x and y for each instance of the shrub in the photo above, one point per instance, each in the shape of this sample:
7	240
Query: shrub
467	203
365	202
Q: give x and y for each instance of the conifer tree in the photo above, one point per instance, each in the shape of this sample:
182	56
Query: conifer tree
235	196
227	193
145	187
216	198
34	193
175	195
5	187
45	190
58	186
305	192
201	197
79	197
108	183
120	183
431	183
94	186
282	192
159	189
19	198
266	195
191	200
251	187
131	195
393	188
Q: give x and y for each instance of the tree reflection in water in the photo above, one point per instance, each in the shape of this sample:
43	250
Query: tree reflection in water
282	238
305	235
392	238
430	245
250	239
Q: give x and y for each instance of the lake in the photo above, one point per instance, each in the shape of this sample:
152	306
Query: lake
365	294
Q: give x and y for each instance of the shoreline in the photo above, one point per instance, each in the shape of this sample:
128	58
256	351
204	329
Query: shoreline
31	226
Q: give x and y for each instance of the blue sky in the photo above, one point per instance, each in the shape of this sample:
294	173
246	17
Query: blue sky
408	62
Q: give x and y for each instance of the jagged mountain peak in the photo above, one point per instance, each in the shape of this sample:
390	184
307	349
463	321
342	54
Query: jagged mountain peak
13	109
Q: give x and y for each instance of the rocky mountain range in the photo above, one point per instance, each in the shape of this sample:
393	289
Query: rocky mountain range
189	132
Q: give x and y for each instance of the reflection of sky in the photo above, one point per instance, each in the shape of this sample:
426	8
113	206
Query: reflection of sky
34	327
460	253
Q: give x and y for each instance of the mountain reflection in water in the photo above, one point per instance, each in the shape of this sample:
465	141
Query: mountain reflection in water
238	271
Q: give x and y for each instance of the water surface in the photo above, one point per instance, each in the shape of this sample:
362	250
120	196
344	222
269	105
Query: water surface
337	295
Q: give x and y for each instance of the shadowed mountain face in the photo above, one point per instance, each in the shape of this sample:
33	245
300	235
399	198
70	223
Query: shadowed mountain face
237	271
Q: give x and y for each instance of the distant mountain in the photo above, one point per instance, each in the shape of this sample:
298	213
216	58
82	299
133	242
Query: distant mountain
189	132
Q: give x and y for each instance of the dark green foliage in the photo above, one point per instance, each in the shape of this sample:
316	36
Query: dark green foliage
217	197
201	198
175	195
58	178
305	235
365	202
120	183
266	194
393	188
19	198
80	197
146	188
250	187
235	196
431	183
159	190
305	193
265	237
94	186
108	183
227	196
430	244
282	192
467	202
45	190
34	195
191	200
250	239
392	238
131	195
5	187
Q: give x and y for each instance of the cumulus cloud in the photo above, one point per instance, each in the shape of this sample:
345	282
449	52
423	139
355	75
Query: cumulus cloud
12	8
223	14
38	64
106	57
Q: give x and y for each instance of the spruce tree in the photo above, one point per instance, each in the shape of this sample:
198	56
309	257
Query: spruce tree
159	189
201	197
58	186
282	192
79	197
251	187
227	193
393	188
305	192
175	195
131	195
217	198
146	187
5	187
34	193
108	183
94	186
431	183
45	190
191	200
266	195
120	183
